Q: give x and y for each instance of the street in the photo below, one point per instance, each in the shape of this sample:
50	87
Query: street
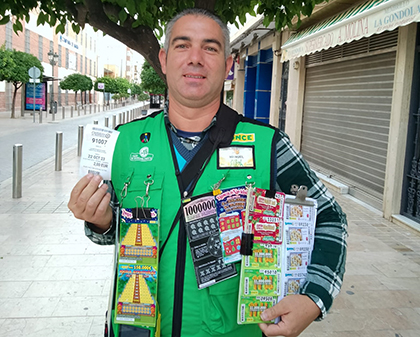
38	140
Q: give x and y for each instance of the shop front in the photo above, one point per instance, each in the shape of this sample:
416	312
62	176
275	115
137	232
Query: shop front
354	69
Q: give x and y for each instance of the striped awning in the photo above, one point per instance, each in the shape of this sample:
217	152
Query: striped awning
372	17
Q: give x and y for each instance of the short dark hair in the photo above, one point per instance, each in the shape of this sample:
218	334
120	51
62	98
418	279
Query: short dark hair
198	12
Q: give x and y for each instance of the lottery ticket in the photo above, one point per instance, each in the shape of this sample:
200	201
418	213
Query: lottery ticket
230	205
136	295
139	233
203	235
261	282
97	150
251	308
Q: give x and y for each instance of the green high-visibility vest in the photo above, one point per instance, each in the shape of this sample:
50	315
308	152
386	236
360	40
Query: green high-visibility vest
143	151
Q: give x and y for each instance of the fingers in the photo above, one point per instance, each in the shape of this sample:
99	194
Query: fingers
274	329
78	188
90	198
89	202
274	312
296	313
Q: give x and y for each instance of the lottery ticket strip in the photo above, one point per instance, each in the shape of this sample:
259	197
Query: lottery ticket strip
65	278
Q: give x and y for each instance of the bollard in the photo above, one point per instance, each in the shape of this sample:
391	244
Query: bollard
94	109
127	116
95	122
78	110
17	171
80	141
40	115
53	113
90	108
58	150
64	112
106	121
84	110
114	121
71	111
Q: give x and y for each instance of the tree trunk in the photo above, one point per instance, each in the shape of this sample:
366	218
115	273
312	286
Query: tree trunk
140	39
16	86
75	98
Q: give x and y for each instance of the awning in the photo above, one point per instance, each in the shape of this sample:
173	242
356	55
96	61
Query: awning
372	17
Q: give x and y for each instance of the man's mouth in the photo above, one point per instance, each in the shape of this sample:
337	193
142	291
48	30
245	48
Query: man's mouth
194	76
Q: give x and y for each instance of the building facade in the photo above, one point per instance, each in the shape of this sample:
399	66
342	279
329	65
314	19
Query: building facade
344	87
76	54
87	52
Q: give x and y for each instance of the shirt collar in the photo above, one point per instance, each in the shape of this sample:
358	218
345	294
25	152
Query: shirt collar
174	129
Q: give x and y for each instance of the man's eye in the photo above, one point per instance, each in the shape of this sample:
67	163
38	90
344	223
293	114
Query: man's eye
181	46
211	49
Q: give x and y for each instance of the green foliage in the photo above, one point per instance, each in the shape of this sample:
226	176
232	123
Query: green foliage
150	80
110	85
6	64
135	89
128	20
116	85
150	13
76	82
122	85
14	66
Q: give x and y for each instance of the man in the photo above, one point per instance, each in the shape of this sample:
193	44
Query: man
196	62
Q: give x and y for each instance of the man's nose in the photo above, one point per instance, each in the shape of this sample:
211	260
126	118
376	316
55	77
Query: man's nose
196	56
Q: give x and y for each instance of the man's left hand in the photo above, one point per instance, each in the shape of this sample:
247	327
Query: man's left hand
296	313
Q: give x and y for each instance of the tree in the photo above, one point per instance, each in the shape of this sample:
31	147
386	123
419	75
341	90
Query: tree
150	80
138	91
139	23
122	85
116	85
14	66
77	82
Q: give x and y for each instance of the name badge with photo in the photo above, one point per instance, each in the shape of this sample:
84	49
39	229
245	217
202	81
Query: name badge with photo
236	157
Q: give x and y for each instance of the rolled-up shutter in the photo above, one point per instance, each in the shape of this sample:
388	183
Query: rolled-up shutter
346	119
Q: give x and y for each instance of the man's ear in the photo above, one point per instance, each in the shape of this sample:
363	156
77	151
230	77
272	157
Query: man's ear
162	60
229	62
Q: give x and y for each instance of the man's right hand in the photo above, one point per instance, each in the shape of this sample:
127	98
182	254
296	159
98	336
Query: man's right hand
90	203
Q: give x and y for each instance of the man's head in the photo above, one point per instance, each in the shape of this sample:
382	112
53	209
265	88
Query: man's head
195	57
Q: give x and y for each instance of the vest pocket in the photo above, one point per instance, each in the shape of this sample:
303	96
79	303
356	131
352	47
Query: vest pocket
220	307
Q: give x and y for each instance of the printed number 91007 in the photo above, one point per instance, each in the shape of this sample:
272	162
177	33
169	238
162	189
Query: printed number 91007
99	141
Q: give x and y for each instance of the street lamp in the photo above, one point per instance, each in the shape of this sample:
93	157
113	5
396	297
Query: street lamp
53	57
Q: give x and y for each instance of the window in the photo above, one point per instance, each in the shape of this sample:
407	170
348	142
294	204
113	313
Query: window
9	34
59	56
27	41
40	48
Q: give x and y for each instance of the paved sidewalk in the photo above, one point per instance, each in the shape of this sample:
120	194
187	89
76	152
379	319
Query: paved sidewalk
55	282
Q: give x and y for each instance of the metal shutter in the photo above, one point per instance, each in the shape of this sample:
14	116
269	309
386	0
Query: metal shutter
346	119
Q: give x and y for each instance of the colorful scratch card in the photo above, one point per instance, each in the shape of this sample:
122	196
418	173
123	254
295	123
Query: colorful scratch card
251	308
139	236
136	295
203	235
230	205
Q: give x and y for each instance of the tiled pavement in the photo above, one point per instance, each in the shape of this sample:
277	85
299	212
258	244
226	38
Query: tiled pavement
55	282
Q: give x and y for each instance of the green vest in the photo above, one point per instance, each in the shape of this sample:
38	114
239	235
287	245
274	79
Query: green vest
211	311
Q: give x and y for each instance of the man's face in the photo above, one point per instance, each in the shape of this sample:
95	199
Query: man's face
195	64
